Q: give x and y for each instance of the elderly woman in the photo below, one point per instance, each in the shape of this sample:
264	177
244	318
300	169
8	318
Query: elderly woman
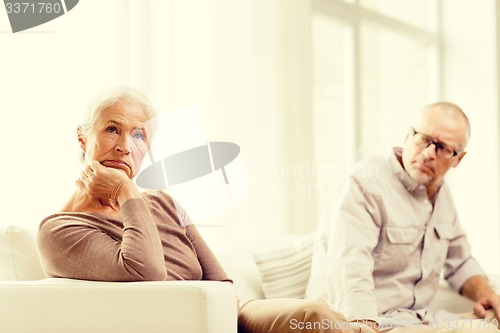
109	231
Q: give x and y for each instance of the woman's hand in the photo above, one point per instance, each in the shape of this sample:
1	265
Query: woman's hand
99	181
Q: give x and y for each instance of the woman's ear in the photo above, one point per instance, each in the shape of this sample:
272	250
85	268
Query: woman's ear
81	139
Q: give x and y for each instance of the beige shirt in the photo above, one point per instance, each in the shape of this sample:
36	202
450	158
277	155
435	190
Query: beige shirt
381	249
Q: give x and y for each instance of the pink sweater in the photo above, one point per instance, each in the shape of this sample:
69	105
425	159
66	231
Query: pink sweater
153	241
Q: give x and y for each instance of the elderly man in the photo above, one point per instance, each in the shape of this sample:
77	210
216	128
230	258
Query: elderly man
393	229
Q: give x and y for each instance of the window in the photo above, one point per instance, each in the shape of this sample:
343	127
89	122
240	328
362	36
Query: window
375	64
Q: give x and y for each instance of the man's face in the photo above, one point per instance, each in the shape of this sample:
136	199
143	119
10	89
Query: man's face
423	163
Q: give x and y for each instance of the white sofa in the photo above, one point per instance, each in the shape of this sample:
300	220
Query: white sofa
29	302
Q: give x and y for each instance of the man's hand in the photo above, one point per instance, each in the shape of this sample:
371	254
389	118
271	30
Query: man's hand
487	303
479	290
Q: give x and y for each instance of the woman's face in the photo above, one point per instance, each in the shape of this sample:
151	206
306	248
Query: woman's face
117	138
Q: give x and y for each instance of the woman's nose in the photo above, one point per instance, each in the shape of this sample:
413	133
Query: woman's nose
123	144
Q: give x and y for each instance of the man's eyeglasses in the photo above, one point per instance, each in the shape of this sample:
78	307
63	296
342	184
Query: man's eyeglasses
425	141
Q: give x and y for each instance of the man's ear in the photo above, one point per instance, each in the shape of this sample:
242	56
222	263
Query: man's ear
407	136
81	139
459	159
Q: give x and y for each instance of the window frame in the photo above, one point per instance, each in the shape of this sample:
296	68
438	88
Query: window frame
352	15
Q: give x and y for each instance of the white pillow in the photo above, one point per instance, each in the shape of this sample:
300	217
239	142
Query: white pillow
18	254
285	268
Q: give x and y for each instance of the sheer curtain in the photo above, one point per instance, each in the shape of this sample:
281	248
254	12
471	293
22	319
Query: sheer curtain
374	66
49	74
243	66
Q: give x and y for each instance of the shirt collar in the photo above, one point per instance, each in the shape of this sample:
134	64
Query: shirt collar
395	159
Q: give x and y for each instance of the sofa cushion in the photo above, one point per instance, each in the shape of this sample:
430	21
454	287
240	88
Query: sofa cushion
19	258
239	265
285	267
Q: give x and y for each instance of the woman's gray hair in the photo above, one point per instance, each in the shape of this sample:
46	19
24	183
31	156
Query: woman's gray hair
109	98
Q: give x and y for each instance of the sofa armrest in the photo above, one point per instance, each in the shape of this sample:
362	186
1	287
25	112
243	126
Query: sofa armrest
66	305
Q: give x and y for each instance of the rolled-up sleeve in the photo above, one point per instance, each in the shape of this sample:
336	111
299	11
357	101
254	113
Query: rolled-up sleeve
459	264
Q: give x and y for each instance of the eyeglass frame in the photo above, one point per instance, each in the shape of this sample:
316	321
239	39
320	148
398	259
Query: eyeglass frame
437	145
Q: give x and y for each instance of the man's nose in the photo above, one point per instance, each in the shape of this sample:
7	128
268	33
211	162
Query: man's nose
430	151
